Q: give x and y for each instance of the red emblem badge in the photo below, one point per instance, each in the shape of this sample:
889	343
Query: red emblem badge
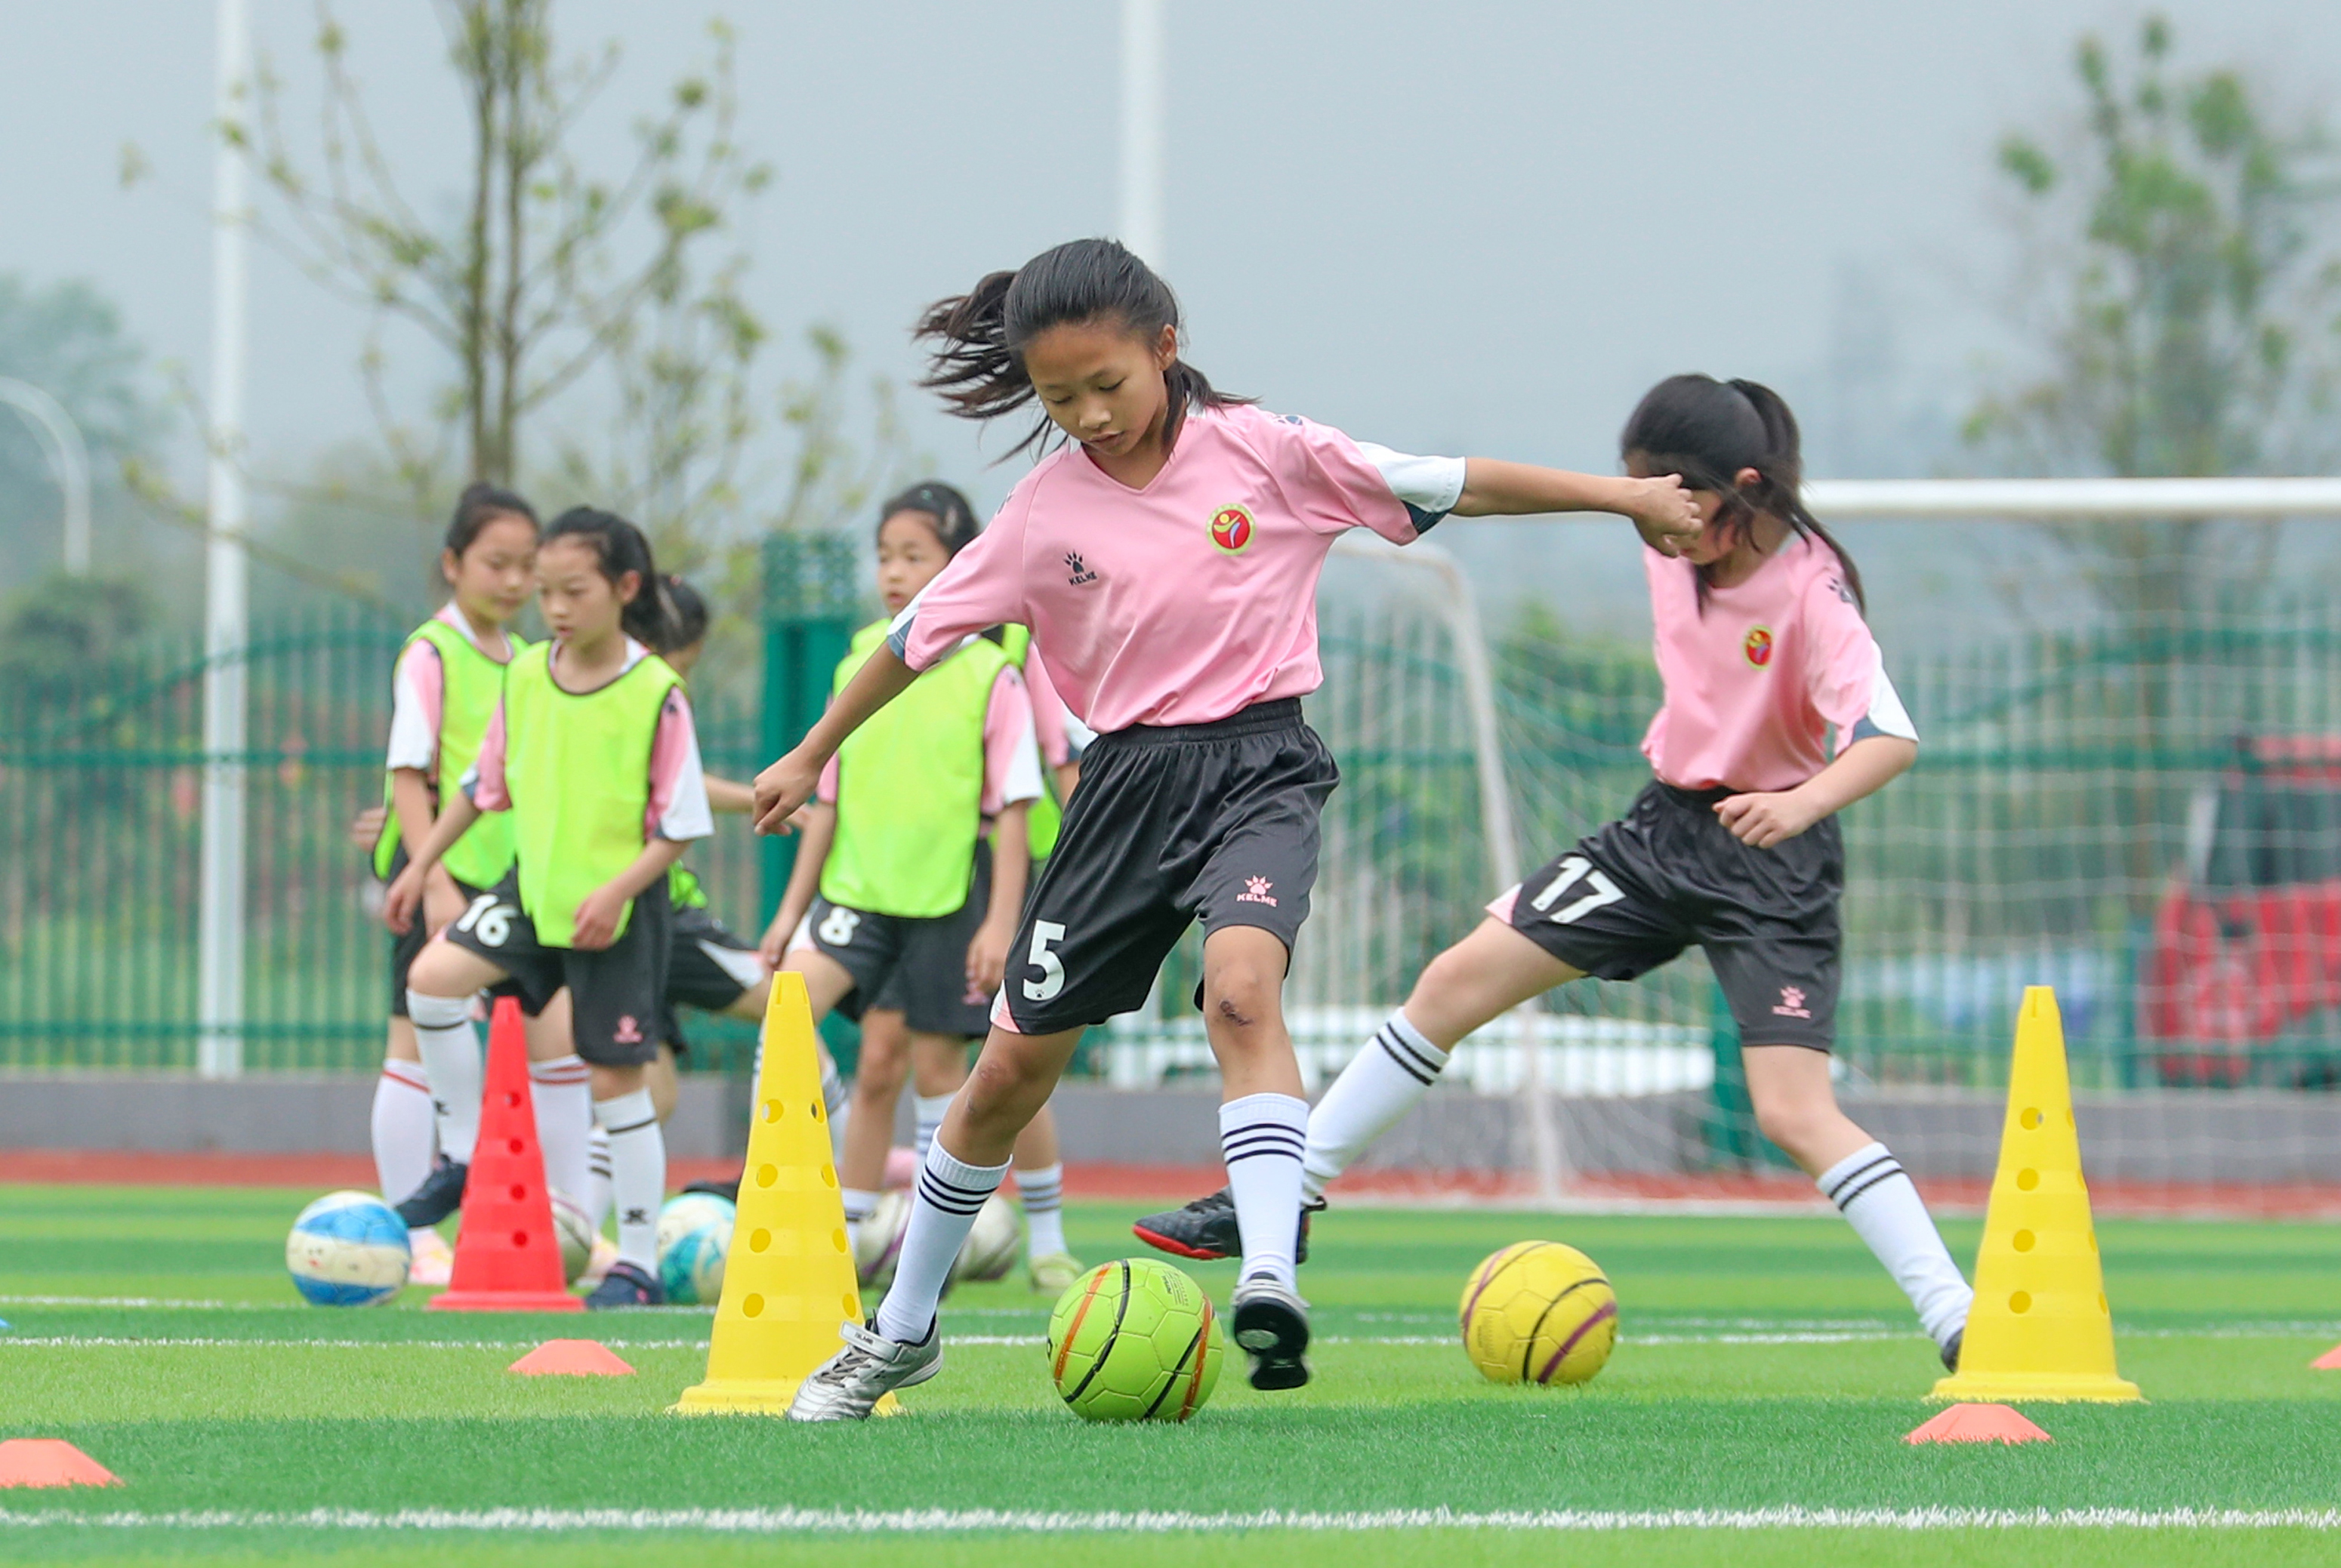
1232	528
1759	646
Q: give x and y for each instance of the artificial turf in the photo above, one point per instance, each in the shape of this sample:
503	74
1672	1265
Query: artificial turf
1764	1363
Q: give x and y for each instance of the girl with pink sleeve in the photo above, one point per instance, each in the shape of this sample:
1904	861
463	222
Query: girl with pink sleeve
1166	557
1733	846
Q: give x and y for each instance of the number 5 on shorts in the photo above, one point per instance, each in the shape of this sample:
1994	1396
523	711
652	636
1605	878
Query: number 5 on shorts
1051	967
1569	872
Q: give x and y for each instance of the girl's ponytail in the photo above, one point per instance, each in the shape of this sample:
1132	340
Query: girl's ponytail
1707	430
977	362
650	617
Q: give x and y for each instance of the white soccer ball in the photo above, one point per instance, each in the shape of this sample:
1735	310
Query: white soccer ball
878	1240
348	1249
574	1227
993	1244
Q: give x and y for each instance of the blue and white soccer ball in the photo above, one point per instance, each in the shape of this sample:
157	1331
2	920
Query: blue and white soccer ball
694	1235
348	1249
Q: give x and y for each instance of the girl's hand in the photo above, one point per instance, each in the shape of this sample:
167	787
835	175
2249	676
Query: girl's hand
987	956
1664	513
781	790
442	900
597	919
1762	820
365	831
399	904
775	945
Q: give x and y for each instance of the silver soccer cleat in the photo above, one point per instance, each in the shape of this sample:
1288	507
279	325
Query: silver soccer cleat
848	1384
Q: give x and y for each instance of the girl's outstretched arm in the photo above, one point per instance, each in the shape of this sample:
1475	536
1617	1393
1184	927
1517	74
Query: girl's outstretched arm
1861	769
790	782
1662	509
819	824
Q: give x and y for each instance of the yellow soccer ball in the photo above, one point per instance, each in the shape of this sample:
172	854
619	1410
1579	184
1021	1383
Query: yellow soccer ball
1538	1312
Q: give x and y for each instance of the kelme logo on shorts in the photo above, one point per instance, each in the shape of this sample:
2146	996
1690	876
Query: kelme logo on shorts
1232	528
1759	646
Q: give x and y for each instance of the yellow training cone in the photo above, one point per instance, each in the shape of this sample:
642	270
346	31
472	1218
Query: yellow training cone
2040	1328
787	1281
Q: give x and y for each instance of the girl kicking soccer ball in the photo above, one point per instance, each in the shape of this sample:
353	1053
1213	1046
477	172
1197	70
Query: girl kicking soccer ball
912	872
1166	560
1733	847
591	750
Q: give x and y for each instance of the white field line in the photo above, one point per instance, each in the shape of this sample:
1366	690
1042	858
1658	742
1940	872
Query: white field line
944	1521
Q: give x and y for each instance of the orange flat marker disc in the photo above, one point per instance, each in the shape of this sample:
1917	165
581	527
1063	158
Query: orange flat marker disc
570	1358
1980	1424
50	1461
2329	1362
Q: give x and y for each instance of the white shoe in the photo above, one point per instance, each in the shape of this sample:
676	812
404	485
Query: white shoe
434	1260
848	1384
597	1266
1272	1324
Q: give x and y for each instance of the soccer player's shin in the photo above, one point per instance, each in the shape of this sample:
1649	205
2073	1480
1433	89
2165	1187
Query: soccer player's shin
401	1129
949	1195
637	1174
450	1048
562	1092
1871	1188
1262	1136
1382	1084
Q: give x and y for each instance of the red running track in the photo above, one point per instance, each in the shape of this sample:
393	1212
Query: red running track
1152	1183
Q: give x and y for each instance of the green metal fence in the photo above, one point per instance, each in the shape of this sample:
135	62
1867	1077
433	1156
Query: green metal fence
2050	813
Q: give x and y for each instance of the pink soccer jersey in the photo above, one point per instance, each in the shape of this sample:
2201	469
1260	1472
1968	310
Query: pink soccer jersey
1760	679
1194	597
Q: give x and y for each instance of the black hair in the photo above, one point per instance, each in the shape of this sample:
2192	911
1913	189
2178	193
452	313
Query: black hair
979	363
1707	430
481	505
687	615
619	548
956	524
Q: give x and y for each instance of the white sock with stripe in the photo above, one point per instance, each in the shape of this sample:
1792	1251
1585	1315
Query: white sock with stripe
1262	1137
450	1049
403	1129
561	1091
1871	1188
835	1100
942	1211
859	1205
1043	1194
931	1110
598	1197
637	1174
1382	1084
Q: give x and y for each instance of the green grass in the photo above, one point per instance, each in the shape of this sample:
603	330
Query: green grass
1766	1363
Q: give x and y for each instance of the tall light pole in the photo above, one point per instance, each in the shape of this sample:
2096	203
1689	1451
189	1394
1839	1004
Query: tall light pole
1144	108
67	456
219	919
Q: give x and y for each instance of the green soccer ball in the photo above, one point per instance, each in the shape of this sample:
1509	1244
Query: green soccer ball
1135	1340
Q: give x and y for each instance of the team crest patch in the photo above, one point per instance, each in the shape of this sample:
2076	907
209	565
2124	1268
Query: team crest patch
1759	646
1232	528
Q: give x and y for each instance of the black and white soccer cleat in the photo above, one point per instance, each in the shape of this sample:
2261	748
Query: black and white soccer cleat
441	1195
1206	1229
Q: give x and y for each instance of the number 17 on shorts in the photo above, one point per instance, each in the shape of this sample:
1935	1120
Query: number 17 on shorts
1573	872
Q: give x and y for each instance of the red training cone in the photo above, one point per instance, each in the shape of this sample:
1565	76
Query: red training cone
1980	1424
50	1461
2329	1362
571	1358
507	1258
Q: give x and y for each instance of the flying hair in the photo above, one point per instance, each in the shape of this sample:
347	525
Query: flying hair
687	612
1707	430
980	336
618	548
481	505
956	524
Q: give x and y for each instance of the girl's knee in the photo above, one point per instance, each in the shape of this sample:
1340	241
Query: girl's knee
1242	995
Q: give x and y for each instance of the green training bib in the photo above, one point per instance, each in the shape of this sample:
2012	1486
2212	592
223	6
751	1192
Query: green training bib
473	684
578	768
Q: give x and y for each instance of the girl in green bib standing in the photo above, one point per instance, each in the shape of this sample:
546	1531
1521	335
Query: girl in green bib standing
593	753
443	692
911	876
